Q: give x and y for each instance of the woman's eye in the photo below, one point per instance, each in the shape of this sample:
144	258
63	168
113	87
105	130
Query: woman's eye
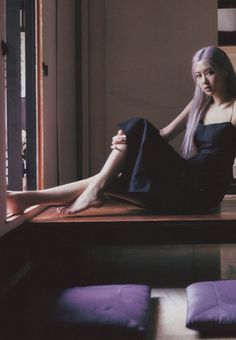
210	73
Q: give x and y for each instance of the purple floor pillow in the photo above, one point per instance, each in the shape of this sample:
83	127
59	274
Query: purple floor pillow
112	305
106	312
211	306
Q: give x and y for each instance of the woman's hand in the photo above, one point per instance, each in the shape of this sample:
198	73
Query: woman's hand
120	138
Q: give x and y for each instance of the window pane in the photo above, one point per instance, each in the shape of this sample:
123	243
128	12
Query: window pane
20	85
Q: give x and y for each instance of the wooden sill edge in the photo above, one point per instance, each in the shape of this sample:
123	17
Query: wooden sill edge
13	221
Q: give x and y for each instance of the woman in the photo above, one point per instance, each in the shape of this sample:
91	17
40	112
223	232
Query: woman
150	172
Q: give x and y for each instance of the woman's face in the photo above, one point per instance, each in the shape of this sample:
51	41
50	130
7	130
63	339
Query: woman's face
210	81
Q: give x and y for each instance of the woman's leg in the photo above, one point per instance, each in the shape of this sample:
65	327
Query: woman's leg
92	189
93	195
18	201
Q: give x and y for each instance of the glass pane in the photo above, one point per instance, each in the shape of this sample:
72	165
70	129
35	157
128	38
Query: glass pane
20	91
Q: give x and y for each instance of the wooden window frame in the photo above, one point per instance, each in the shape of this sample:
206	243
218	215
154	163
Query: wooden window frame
34	75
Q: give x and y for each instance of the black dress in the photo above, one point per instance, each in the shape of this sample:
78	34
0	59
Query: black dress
164	181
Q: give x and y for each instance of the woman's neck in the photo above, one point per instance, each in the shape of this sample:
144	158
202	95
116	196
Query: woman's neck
222	100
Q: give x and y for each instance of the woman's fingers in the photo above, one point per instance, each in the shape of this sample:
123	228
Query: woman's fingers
117	141
121	132
119	138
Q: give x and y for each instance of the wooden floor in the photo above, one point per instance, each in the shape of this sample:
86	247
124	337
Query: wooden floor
168	317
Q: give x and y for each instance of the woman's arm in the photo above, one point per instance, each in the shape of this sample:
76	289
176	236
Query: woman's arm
168	132
177	125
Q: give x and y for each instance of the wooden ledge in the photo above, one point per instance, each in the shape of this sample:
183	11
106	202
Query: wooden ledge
118	222
115	211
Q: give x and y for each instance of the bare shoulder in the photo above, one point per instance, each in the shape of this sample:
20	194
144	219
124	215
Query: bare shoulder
233	118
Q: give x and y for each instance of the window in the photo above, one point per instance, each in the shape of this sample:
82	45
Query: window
21	77
41	109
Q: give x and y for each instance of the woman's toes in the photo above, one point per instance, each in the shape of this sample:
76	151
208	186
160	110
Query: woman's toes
61	210
71	212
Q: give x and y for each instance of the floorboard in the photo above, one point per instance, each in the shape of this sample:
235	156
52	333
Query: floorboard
169	306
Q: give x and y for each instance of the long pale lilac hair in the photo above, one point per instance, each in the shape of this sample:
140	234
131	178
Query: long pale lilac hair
219	62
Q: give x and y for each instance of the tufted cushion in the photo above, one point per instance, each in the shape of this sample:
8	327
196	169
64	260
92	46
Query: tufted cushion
212	306
111	310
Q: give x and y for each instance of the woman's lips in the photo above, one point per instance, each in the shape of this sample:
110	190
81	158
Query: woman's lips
207	88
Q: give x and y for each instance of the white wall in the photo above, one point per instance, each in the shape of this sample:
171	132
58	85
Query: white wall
50	150
66	90
59	88
144	54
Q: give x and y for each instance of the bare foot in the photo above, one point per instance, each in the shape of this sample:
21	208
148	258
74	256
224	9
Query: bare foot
88	199
15	202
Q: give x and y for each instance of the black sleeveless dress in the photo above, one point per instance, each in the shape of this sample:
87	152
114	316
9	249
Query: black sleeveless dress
164	181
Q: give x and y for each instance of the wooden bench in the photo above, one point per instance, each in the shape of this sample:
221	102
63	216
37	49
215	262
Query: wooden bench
122	223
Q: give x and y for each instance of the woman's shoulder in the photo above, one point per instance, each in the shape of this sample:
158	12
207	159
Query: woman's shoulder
233	116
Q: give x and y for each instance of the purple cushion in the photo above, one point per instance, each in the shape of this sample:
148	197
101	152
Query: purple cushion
212	306
115	305
107	308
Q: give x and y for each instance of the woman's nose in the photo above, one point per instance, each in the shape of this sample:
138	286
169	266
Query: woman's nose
204	79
